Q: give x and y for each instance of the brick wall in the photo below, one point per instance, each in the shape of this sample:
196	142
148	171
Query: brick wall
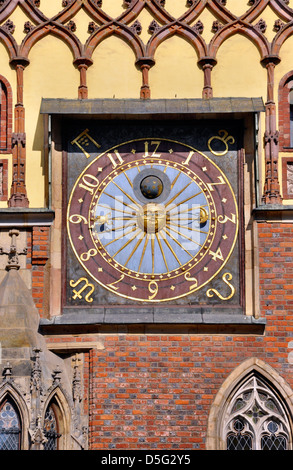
38	254
156	390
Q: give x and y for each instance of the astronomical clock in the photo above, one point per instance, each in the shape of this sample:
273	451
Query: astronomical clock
152	215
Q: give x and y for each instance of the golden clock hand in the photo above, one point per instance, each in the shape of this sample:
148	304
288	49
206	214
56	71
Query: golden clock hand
178	194
122	235
121	202
170	248
188	210
127	243
178	243
185	200
162	251
114	208
182	235
175	179
143	251
125	193
187	227
134	249
153	252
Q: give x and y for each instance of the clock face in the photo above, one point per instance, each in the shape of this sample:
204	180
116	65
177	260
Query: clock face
152	220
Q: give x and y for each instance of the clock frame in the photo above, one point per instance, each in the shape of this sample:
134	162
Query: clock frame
168	272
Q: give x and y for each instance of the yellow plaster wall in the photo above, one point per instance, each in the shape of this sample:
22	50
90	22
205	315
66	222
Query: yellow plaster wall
176	73
7	72
285	66
113	73
50	74
238	71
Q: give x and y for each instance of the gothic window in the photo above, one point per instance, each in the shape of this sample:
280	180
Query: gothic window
3	180
5	116
51	428
256	419
10	429
286	112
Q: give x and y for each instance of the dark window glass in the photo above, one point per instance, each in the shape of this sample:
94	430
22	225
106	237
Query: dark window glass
9	427
51	430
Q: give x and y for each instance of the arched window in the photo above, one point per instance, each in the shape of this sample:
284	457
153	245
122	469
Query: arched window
51	427
5	115
10	427
255	419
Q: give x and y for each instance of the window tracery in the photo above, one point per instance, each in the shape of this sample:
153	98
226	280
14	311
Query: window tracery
51	429
256	419
10	427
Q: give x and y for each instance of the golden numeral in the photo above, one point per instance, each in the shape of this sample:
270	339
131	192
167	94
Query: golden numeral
210	185
79	218
88	254
190	279
116	282
225	139
119	158
188	158
87	284
153	289
217	255
146	148
88	185
226	278
223	219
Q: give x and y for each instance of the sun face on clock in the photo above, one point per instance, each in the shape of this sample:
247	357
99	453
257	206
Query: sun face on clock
152	220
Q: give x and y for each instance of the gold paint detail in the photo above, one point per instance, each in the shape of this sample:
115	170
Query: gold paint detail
153	289
146	149
112	159
217	255
113	286
87	284
187	277
221	181
226	278
82	141
223	219
88	254
223	137
87	185
77	218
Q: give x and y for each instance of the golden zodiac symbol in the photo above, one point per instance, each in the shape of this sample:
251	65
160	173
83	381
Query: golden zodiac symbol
223	137
83	140
190	279
226	278
77	294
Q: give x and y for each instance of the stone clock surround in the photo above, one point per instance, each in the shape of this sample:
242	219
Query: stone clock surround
247	109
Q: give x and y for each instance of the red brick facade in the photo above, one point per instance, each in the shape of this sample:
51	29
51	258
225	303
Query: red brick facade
38	254
155	390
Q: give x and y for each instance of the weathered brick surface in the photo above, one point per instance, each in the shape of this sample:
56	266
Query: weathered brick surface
155	391
38	254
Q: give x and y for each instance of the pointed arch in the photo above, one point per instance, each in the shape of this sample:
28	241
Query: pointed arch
269	383
119	30
184	31
56	29
239	27
57	411
285	32
9	393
